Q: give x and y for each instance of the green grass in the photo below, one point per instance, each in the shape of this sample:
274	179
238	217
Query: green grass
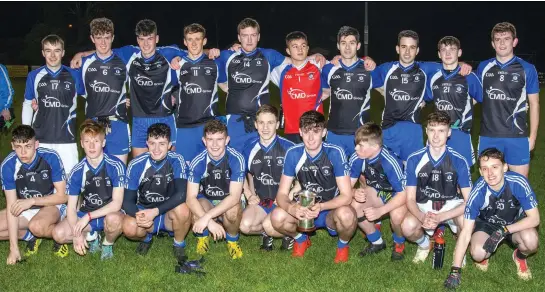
260	271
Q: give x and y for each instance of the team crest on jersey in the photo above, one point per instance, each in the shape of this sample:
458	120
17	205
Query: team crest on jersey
326	170
45	174
207	70
310	76
280	161
515	77
449	176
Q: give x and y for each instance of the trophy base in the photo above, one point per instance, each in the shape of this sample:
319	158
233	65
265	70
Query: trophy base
305	229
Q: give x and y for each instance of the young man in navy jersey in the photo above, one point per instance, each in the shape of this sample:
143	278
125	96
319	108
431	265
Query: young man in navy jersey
502	205
264	157
34	183
154	198
510	85
383	191
100	178
455	94
216	178
53	89
438	182
321	168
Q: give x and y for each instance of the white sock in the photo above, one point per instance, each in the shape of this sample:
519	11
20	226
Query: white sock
423	242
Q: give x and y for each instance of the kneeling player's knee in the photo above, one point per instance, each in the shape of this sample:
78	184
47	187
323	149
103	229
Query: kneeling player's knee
181	213
397	216
129	227
409	226
267	226
278	217
113	222
38	228
346	215
60	234
530	241
478	253
245	225
232	215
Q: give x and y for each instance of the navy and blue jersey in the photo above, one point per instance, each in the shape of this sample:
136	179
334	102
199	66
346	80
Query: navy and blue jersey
104	85
56	94
247	76
437	180
505	101
198	94
96	184
266	164
154	180
214	177
503	207
350	96
454	94
150	80
404	90
317	174
34	179
383	173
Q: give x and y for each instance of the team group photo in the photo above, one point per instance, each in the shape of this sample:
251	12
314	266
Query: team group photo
273	159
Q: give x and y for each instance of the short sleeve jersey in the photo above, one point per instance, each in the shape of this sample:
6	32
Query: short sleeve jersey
317	174
247	76
34	179
300	91
265	164
198	94
383	173
505	97
454	94
154	180
503	207
437	180
56	94
96	184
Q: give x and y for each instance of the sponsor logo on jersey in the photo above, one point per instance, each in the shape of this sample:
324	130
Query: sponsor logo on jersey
53	102
267	180
94	199
498	94
213	191
98	87
145	81
313	187
242	78
444	105
193	88
343	94
400	95
495	219
154	197
30	193
431	193
295	93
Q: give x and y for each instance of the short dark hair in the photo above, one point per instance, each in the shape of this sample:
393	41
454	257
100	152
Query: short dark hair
213	127
159	130
504	27
194	28
438	118
311	120
269	109
346	31
101	26
369	132
248	22
492	153
145	27
408	34
22	134
295	35
448	41
52	39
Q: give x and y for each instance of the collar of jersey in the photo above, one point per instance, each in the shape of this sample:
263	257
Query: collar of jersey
317	155
54	74
104	60
497	193
506	63
30	165
193	61
405	69
434	162
146	60
448	76
95	170
301	66
372	160
217	162
267	148
348	68
159	164
243	52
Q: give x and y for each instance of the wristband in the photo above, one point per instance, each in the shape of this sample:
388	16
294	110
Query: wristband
89	215
505	230
454	269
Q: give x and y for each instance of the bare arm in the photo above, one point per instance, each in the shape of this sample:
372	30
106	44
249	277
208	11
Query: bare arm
59	197
397	201
326	93
72	211
282	197
249	188
534	118
13	222
530	221
458	210
345	196
192	202
235	191
411	203
462	242
113	206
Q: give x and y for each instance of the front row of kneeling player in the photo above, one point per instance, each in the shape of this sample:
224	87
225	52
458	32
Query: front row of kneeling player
432	191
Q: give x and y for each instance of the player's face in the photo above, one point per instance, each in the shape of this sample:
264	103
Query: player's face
348	46
366	150
266	125
103	43
248	38
158	147
438	135
504	43
195	43
147	44
215	144
25	151
53	54
492	170
298	49
449	54
312	138
93	145
407	50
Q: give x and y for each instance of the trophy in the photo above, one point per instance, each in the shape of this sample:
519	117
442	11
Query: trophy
307	199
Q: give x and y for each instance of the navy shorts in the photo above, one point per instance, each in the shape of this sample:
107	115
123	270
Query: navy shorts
460	141
96	224
515	150
238	136
140	129
189	142
404	138
346	142
118	141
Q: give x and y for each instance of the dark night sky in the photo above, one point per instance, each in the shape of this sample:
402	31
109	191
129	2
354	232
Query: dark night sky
471	22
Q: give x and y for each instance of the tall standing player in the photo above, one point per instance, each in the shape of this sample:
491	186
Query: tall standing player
54	89
510	84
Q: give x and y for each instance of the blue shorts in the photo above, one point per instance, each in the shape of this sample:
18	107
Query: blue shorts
404	138
266	208
238	136
189	142
158	222
118	141
460	141
96	224
320	222
140	129
346	142
515	150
